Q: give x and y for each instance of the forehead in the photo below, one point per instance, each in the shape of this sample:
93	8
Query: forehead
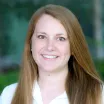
47	23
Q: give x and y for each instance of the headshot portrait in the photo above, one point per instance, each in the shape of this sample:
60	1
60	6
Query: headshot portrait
57	67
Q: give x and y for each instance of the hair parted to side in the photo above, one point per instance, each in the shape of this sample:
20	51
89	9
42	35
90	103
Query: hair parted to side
83	84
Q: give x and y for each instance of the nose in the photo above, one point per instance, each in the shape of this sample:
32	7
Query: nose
50	45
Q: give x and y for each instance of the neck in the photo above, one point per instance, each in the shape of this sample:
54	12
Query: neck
53	80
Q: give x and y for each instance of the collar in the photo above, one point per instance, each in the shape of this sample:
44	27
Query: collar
37	93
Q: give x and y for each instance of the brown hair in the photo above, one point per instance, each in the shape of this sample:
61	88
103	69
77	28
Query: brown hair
83	85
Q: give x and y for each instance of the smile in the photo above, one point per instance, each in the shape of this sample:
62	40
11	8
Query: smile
50	56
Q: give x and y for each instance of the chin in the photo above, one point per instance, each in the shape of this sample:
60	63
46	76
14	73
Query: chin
49	69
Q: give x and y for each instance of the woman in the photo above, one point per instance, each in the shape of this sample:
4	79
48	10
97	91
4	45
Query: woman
57	66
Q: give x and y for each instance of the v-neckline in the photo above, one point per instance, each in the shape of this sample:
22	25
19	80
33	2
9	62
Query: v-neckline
38	97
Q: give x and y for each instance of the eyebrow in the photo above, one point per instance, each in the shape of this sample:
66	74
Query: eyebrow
42	33
46	33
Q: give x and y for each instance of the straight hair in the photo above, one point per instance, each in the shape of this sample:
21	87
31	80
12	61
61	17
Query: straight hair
83	84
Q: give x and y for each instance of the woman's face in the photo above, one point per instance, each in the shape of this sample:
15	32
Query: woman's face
50	44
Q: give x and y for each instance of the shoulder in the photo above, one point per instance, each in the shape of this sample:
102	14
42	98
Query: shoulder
103	94
7	94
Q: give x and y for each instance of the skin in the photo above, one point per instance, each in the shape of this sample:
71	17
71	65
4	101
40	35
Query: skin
51	52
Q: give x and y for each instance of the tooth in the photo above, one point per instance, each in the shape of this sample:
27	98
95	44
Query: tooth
46	56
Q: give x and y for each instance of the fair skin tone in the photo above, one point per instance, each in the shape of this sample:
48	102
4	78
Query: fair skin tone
51	52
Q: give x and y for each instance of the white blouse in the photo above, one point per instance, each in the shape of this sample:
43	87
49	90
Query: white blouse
8	92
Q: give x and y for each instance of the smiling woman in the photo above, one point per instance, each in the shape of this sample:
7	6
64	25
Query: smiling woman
57	66
50	45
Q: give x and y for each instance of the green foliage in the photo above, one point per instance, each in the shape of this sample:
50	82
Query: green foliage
4	29
7	79
100	67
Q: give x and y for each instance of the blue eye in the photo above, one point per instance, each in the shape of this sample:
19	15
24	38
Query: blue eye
61	39
41	36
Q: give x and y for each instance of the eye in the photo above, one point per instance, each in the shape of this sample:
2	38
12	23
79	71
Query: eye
61	39
41	36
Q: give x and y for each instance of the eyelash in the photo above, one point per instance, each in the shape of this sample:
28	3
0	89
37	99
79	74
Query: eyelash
59	38
41	36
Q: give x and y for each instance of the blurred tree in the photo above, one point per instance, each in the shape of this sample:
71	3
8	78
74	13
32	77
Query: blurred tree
98	29
83	9
23	9
4	27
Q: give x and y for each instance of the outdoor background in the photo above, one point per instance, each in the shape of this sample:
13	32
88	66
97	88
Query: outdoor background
14	20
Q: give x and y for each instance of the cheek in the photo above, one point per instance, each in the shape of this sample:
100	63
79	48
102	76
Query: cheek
34	47
65	50
35	51
37	46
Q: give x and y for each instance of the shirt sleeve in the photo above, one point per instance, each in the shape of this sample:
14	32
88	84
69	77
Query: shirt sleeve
103	95
0	100
7	94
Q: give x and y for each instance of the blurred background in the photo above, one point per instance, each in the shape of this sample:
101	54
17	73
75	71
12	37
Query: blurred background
14	20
